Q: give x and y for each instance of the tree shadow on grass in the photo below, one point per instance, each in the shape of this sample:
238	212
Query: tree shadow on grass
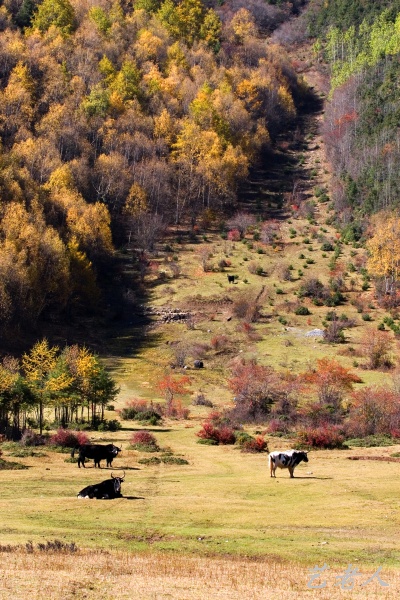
322	478
123	468
147	429
134	498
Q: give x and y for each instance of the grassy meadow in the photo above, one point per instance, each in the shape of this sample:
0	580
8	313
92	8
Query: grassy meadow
181	531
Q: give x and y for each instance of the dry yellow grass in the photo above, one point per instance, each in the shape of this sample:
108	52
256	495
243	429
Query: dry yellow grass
156	576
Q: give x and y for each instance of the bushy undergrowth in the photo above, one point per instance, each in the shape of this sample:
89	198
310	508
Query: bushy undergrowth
6	465
30	438
168	460
371	441
248	443
201	400
144	441
221	435
325	436
25	453
216	431
55	546
140	410
109	425
68	439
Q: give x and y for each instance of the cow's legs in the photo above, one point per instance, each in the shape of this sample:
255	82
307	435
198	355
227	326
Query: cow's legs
291	469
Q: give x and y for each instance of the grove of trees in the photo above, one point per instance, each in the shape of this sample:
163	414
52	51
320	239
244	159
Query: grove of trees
71	383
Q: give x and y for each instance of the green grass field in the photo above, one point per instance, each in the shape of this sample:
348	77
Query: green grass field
223	502
223	506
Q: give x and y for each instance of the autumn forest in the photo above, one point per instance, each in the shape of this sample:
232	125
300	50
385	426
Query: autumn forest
118	120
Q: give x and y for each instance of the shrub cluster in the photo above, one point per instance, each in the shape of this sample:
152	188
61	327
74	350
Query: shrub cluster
320	294
30	438
325	436
234	235
140	410
109	425
68	439
144	441
201	400
248	443
217	430
220	435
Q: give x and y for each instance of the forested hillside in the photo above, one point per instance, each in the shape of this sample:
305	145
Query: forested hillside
360	40
118	119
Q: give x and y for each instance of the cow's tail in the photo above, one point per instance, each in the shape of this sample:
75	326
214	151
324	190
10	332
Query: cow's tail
73	451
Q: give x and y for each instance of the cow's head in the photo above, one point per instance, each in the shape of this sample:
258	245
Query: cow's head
114	450
304	456
117	483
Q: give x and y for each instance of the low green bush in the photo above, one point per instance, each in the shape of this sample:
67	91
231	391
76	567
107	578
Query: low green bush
371	441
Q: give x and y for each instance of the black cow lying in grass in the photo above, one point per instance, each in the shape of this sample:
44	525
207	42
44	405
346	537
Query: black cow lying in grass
106	490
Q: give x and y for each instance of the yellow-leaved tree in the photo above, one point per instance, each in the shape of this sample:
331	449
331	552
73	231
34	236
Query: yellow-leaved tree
384	251
37	366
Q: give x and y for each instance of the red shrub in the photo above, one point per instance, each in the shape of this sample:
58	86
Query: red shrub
143	438
326	436
215	417
218	342
226	435
175	410
68	439
208	432
246	327
223	435
256	445
234	235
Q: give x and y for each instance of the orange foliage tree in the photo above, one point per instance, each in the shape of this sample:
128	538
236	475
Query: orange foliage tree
331	380
174	386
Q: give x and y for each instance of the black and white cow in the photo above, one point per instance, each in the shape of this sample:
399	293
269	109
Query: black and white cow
286	460
97	452
106	490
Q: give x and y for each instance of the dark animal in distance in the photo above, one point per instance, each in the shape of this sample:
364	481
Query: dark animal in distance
286	460
231	278
97	452
106	490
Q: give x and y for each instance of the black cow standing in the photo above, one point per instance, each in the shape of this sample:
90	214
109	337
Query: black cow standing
97	452
231	278
106	490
